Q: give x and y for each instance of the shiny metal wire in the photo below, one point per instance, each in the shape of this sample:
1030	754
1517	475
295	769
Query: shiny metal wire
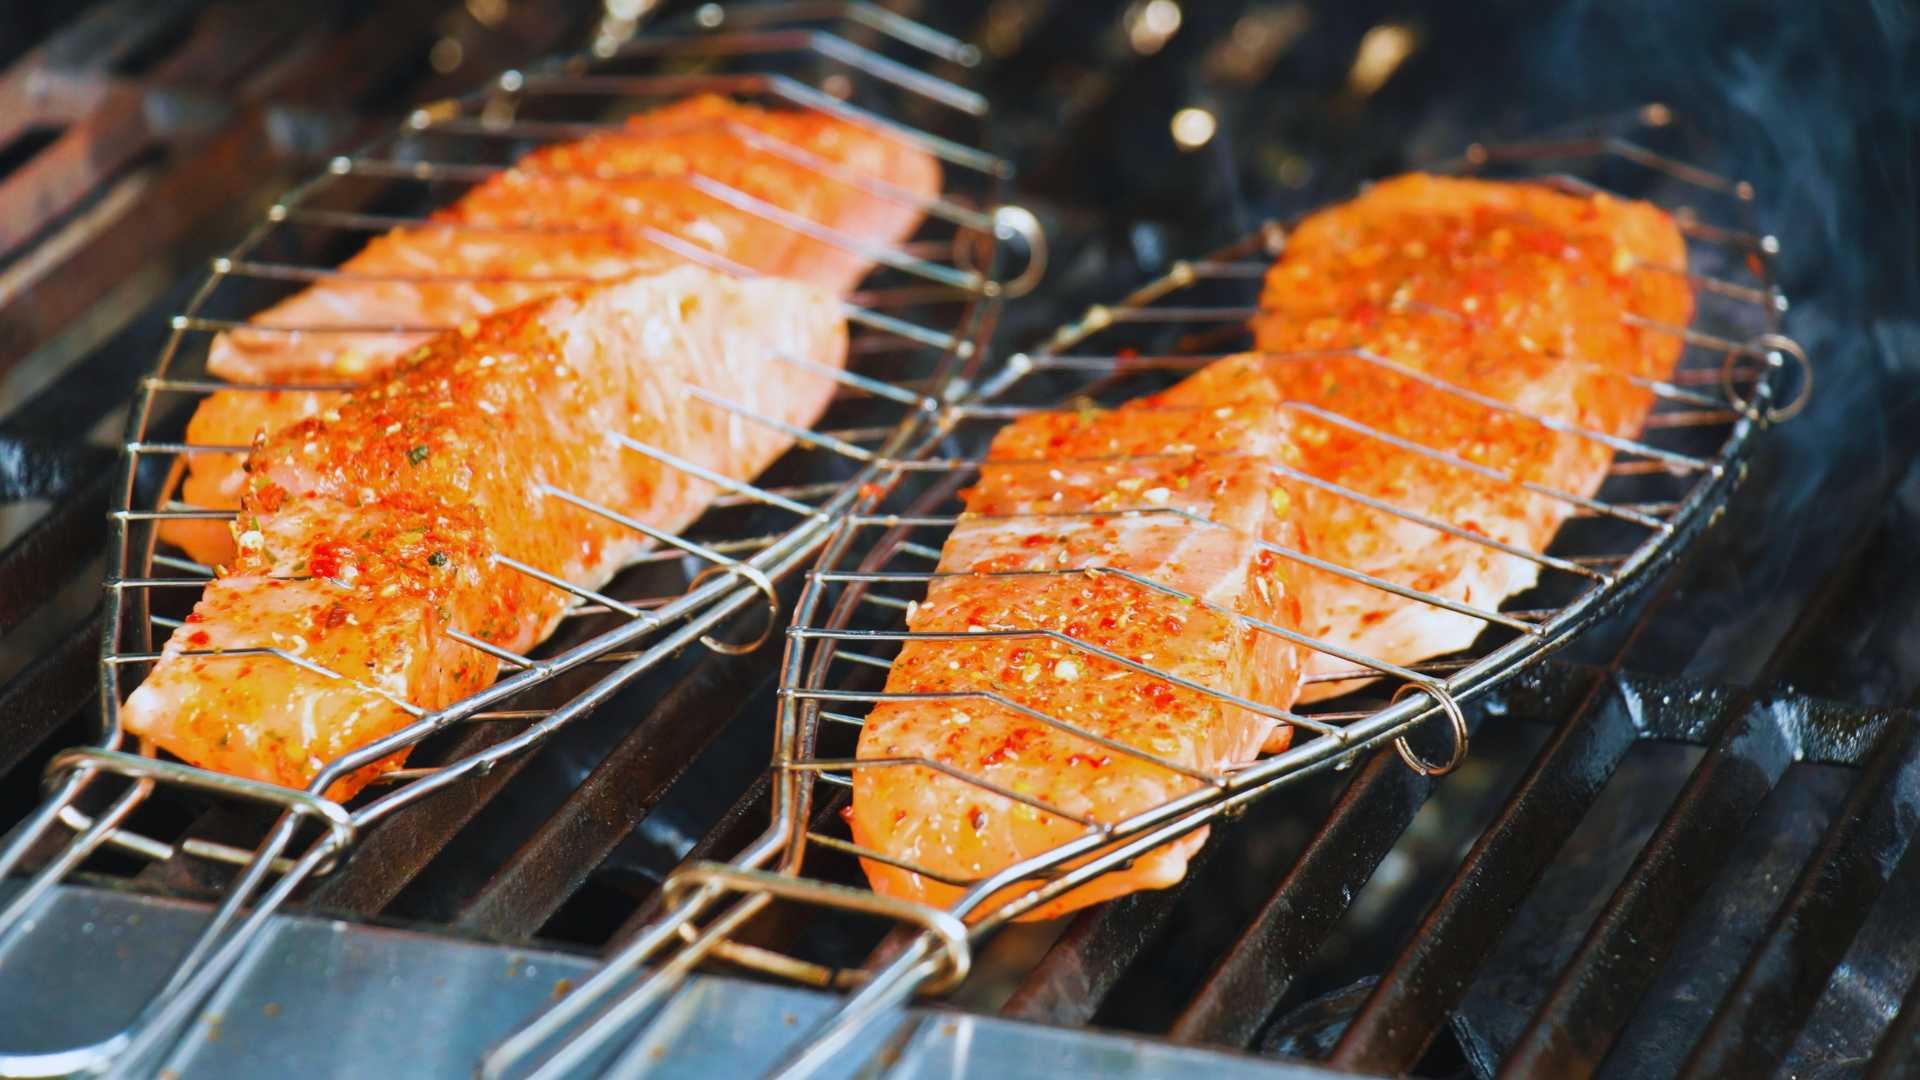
735	573
1748	364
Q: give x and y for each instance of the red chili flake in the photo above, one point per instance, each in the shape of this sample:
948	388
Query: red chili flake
1159	693
327	559
198	637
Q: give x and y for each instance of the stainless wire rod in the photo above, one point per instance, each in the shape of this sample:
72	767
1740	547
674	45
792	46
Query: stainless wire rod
1360	577
1291	473
780	86
713	189
1452	389
853	379
1021	364
1001	700
822	765
908	865
1571	499
934	206
869	15
727	483
1007	633
606	602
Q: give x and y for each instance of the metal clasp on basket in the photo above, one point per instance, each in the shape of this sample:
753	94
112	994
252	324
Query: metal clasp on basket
955	955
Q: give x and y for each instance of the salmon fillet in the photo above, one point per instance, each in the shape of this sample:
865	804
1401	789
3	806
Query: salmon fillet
596	198
1059	493
371	530
1513	291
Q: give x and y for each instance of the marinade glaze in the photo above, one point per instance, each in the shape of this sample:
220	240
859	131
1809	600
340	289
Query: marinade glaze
588	209
1514	292
369	531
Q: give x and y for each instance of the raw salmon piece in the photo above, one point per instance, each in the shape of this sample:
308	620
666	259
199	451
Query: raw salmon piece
1513	291
360	591
394	502
620	184
231	418
1065	492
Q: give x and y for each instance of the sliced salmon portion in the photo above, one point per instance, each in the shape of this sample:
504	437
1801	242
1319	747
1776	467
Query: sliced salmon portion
1135	531
217	480
581	209
362	592
563	214
371	530
1512	291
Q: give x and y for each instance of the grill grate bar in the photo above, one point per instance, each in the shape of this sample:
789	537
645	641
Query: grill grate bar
1897	1057
42	697
1768	1003
1623	951
1419	991
616	796
1752	745
395	852
1248	982
737	828
1087	962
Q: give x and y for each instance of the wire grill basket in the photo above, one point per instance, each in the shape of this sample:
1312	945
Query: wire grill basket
1735	378
921	316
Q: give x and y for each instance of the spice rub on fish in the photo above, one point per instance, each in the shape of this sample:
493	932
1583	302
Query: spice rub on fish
1510	291
370	532
1065	503
1513	291
563	214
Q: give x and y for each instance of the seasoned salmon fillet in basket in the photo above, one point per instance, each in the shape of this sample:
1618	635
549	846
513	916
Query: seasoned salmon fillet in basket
1298	501
468	435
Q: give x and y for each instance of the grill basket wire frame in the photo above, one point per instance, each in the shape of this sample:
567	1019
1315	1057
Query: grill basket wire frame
1741	389
957	273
